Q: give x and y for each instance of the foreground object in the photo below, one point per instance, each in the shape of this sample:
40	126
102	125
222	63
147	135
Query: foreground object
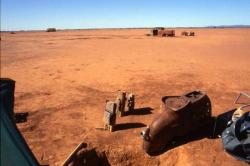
180	115
162	32
110	115
191	34
121	103
131	102
236	137
14	149
86	155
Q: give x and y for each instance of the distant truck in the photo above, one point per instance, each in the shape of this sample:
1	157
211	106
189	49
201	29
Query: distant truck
162	32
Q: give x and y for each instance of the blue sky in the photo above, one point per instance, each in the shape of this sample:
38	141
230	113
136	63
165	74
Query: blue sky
73	14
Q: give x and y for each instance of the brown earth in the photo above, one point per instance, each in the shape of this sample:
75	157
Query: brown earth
64	78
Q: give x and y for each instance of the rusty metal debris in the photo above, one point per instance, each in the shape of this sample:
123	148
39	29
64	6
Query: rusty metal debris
180	115
185	33
162	32
155	32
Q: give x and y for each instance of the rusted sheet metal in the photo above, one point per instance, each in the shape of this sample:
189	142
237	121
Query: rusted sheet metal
166	33
163	32
180	115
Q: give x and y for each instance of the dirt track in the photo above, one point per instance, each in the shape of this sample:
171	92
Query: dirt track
63	79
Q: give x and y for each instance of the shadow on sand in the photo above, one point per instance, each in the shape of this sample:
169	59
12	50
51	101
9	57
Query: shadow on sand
140	111
21	117
125	126
87	156
212	131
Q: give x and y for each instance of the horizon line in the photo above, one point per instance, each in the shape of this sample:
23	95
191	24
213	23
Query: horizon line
61	29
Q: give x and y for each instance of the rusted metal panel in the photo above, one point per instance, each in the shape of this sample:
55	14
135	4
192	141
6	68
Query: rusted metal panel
160	31
166	33
180	115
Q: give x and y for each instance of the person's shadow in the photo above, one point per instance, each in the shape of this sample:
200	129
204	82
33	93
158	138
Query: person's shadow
212	131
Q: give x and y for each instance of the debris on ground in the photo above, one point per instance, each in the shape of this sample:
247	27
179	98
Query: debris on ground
180	115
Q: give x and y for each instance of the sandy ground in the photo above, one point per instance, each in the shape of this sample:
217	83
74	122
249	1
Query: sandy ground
64	78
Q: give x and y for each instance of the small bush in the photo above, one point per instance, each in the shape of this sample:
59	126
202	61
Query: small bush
51	30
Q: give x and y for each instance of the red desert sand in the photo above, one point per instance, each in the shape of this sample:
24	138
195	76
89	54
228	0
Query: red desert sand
63	79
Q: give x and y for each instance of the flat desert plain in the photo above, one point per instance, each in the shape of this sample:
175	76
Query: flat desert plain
63	79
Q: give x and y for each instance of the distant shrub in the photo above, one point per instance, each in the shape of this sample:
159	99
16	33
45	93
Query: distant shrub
12	32
51	30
